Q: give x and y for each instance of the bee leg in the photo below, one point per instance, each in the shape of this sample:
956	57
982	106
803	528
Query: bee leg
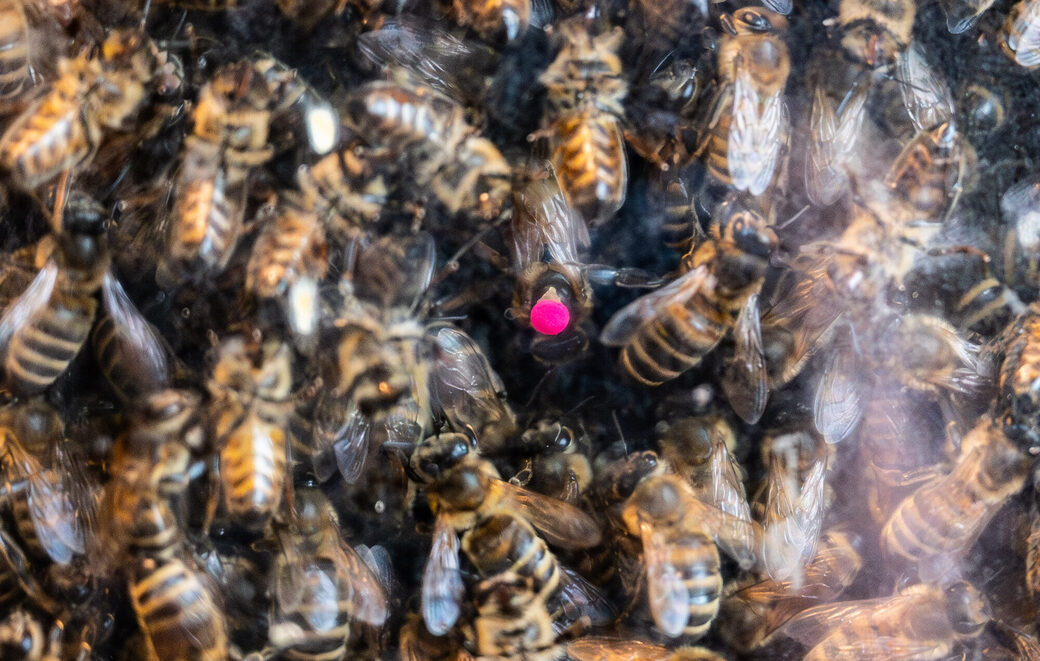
629	278
646	150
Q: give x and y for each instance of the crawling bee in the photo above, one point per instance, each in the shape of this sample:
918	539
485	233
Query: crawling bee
945	515
558	465
497	522
584	111
43	330
747	128
923	621
464	170
666	332
1020	36
92	97
250	387
320	585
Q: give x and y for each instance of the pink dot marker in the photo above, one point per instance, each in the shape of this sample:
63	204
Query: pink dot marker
549	316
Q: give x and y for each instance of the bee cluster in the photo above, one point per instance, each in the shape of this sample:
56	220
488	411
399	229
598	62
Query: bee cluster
759	282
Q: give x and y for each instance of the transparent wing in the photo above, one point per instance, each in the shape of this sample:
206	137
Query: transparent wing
779	6
1021	207
543	220
837	406
442	588
627	321
962	15
580	598
366	590
396	271
755	139
602	648
825	179
1027	31
811	626
746	380
430	54
29	304
883	647
55	516
466	387
738	531
143	351
810	506
737	536
665	590
926	95
560	523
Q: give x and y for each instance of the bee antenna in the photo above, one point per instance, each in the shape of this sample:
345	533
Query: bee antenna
793	218
60	195
621	434
145	12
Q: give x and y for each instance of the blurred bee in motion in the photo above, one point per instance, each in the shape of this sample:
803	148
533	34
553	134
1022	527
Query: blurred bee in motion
344	186
746	130
497	521
753	610
92	97
320	585
468	391
491	19
680	556
924	621
603	648
669	331
442	151
289	261
584	111
1020	36
230	138
946	515
875	32
250	387
15	51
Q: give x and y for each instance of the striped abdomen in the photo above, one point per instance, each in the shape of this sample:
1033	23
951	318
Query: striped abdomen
696	557
677	339
927	170
316	625
511	623
506	543
46	508
14	48
714	147
291	247
50	137
207	223
252	463
589	157
177	612
418	125
42	349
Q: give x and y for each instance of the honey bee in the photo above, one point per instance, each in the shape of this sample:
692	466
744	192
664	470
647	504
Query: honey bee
834	134
876	32
250	388
584	111
747	128
793	517
495	519
601	648
511	621
418	644
288	261
666	332
93	96
43	330
16	61
344	185
1020	35
468	391
681	559
320	585
491	19
945	515
752	611
698	449
558	464
464	170
923	621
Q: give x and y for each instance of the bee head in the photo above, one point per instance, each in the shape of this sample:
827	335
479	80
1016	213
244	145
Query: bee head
967	609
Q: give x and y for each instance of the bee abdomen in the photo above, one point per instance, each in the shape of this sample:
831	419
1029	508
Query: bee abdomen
290	247
922	527
590	159
14	48
46	140
698	560
40	352
675	342
177	612
254	462
207	223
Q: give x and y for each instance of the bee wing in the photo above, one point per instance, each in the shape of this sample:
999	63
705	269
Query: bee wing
810	506
738	536
54	516
779	6
627	321
837	406
667	594
29	304
367	593
442	589
560	230
351	447
602	648
1027	29
559	523
746	381
729	496
755	139
883	647
961	15
580	598
395	271
926	96
141	342
1021	207
465	386
814	624
430	54
825	180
